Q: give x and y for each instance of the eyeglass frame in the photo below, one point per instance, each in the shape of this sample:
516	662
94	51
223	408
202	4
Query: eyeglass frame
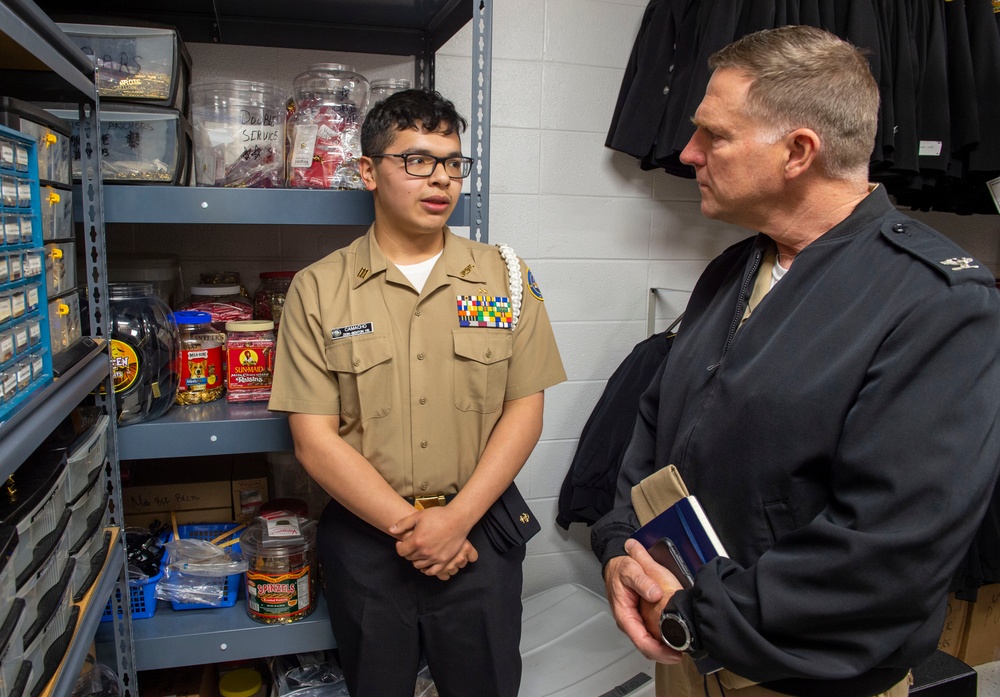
437	161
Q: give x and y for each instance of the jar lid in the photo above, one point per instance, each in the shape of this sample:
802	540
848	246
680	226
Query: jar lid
215	290
391	82
243	682
265	275
249	325
192	317
124	291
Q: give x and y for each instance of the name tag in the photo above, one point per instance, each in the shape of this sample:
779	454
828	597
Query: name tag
352	330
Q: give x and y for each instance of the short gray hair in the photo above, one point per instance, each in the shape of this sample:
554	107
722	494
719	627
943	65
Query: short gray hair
806	77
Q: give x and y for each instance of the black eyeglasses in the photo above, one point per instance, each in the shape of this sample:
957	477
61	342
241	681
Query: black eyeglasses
419	165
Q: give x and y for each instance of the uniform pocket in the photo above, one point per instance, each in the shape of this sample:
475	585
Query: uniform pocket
481	357
363	366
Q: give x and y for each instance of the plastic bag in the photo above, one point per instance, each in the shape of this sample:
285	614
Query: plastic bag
201	558
97	680
308	675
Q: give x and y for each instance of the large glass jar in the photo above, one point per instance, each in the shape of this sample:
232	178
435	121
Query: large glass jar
385	87
199	360
269	298
224	303
143	352
324	128
238	134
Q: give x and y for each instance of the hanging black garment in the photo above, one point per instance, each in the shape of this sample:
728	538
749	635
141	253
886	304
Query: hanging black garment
588	490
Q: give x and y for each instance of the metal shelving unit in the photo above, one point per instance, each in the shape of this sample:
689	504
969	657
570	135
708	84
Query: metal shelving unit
397	27
36	60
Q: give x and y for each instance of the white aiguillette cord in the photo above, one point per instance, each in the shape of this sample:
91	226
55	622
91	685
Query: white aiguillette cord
516	284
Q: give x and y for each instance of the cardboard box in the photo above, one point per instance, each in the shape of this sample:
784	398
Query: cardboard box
981	641
187	484
249	489
955	618
201	515
188	681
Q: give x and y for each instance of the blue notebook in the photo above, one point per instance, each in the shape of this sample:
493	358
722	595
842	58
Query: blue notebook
682	539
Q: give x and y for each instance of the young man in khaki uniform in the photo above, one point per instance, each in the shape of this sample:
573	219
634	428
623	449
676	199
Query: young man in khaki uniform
413	364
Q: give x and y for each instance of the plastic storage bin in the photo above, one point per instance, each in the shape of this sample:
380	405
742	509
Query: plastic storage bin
85	508
163	271
139	144
12	650
230	584
136	63
570	646
45	573
36	505
60	267
65	328
45	644
141	594
51	134
86	455
8	542
90	559
56	206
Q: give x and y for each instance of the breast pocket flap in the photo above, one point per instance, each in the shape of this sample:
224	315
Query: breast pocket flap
357	355
484	345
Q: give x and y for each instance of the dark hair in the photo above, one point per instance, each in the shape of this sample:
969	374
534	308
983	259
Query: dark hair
424	110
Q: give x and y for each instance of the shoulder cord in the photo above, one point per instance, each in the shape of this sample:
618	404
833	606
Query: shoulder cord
516	286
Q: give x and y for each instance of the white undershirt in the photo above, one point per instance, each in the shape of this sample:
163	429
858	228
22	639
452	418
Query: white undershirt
417	273
777	272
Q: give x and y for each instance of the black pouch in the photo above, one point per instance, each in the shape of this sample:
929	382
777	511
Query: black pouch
509	523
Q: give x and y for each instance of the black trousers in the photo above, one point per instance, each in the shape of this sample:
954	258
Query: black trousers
384	613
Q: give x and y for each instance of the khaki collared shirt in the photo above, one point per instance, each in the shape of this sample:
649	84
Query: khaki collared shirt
417	394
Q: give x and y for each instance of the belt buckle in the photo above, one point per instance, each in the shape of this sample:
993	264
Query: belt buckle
432	501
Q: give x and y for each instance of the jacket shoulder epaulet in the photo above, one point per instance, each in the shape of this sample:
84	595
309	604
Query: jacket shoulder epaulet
934	249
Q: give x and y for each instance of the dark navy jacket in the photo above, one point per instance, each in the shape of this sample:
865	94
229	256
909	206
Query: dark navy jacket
839	442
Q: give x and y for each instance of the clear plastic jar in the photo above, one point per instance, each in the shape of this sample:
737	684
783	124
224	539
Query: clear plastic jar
222	278
269	298
224	303
280	552
323	133
383	88
199	361
250	360
143	352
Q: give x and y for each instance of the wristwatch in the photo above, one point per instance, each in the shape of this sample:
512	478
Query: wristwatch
675	631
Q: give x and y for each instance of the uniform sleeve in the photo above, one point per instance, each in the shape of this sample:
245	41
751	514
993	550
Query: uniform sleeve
919	446
302	382
535	363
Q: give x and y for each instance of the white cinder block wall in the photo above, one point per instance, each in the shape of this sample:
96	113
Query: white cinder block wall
597	231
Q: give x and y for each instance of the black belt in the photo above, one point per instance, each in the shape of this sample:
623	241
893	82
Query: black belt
429	500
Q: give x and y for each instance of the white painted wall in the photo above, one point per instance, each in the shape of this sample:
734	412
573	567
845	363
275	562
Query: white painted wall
597	231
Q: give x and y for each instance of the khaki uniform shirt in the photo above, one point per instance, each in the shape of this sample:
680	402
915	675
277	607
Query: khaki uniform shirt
418	395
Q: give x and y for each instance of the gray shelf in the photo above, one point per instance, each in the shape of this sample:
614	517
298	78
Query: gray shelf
28	427
206	429
173	638
190	205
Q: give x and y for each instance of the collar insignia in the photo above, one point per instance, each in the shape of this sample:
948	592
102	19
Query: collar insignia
363	273
960	263
467	270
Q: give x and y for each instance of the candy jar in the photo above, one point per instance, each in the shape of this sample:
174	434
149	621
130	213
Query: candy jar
324	128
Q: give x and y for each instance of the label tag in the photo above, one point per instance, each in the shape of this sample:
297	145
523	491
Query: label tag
930	148
352	330
303	144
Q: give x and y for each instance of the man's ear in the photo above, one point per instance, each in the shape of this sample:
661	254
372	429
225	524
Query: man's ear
366	167
803	150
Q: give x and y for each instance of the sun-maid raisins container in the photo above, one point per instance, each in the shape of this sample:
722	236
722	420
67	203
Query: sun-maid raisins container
281	569
249	360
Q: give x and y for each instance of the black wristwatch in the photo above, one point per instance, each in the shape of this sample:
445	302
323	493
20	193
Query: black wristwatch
675	631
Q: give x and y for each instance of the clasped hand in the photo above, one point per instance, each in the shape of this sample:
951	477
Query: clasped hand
638	589
435	541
